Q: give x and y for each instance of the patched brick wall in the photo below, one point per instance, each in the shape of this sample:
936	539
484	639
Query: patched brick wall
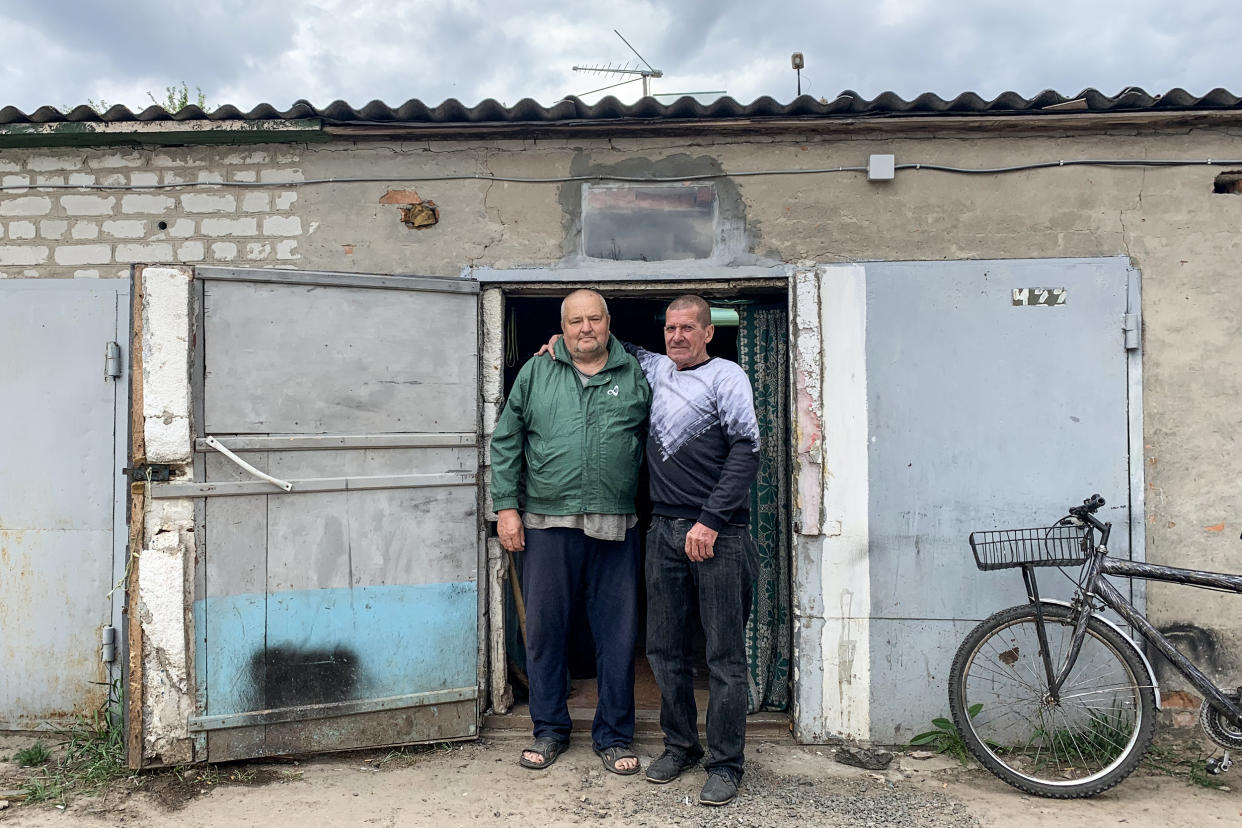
67	233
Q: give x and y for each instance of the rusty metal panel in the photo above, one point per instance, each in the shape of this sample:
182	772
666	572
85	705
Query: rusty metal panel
315	601
60	494
434	723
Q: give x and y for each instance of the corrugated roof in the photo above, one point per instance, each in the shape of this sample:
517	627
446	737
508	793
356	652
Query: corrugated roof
847	104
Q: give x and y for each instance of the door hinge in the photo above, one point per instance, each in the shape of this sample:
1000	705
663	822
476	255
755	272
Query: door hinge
107	652
1131	328
112	361
155	472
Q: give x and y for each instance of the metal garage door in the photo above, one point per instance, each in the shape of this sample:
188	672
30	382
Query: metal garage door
62	526
990	404
343	612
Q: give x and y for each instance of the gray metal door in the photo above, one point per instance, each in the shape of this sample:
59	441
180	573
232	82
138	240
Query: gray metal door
991	404
62	524
343	612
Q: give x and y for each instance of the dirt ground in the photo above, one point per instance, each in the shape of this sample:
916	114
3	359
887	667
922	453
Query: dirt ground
480	783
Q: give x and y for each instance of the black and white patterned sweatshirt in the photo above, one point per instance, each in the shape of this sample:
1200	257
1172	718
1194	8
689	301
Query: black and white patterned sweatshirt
703	442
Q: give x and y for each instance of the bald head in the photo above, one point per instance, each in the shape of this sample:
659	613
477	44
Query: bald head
578	297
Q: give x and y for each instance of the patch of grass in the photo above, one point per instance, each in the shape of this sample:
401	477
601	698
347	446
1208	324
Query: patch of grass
944	738
94	756
36	754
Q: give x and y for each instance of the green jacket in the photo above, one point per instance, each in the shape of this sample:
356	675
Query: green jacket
571	449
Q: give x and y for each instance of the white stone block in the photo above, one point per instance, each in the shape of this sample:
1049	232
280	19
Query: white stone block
245	175
114	180
15	181
117	159
144	179
165	359
287	249
191	251
125	229
47	163
183	158
85	230
171	177
255	157
223	251
9	166
181	228
157	204
53	229
280	176
204	203
206	177
282	226
155	252
25	206
24	230
83	254
229	226
86	274
88	205
81	179
22	256
285	200
49	180
257	202
256	251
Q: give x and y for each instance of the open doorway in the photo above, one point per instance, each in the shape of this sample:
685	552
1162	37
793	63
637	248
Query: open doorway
752	330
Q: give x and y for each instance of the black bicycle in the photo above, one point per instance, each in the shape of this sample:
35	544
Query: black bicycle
1054	698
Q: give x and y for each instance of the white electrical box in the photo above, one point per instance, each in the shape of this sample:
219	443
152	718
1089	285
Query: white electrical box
881	167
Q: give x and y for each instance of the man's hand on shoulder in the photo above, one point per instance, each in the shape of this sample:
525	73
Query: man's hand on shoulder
509	528
549	348
700	543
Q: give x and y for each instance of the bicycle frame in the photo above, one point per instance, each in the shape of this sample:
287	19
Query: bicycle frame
1096	587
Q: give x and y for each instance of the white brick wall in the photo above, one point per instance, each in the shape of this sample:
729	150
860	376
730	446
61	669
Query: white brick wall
89	234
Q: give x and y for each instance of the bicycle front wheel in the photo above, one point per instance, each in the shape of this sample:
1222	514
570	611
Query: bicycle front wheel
1086	739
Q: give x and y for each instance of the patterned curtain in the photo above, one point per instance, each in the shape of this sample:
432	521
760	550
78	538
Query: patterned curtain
763	348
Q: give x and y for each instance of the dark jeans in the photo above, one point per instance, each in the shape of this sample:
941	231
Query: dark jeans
557	564
721	589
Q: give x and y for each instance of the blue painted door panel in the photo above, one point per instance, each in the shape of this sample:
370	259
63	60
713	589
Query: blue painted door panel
363	598
62	436
982	414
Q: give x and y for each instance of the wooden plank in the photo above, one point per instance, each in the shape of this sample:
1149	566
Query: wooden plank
137	522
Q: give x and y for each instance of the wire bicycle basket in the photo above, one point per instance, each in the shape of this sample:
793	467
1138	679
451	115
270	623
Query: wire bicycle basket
1060	545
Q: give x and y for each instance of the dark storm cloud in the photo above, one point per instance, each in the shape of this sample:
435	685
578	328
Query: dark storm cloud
256	51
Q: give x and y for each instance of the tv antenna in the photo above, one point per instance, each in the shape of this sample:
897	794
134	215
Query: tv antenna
645	75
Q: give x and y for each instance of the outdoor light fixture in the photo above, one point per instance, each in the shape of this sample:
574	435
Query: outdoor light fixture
797	62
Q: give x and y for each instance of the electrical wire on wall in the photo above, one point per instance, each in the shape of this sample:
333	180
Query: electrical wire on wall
627	179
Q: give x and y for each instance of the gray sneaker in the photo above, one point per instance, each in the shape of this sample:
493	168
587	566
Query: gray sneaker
720	789
668	767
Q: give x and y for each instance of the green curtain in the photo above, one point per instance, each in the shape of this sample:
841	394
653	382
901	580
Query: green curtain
763	348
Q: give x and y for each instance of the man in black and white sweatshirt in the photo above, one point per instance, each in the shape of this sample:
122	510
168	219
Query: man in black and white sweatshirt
703	454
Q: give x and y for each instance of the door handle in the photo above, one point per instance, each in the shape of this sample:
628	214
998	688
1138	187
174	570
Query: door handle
275	481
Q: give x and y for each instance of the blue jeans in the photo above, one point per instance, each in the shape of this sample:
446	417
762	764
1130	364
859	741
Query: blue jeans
558	563
720	588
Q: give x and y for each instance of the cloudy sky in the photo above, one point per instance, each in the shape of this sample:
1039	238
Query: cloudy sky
244	52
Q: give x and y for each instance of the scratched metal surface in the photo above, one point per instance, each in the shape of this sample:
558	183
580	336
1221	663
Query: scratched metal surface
328	597
58	512
982	415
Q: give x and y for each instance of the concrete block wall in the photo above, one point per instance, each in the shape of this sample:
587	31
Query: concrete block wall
176	207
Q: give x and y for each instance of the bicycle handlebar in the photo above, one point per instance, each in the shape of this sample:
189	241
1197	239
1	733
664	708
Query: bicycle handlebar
1089	506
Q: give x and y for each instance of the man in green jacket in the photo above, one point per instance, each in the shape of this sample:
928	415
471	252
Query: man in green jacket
569	443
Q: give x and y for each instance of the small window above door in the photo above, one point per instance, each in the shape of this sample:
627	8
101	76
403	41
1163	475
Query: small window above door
648	222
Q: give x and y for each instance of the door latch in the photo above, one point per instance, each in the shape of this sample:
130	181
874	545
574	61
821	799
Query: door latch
154	472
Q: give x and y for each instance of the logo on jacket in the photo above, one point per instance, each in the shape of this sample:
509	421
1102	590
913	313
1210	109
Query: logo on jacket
614	391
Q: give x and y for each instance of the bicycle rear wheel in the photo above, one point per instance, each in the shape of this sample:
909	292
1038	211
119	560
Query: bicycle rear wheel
1086	741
